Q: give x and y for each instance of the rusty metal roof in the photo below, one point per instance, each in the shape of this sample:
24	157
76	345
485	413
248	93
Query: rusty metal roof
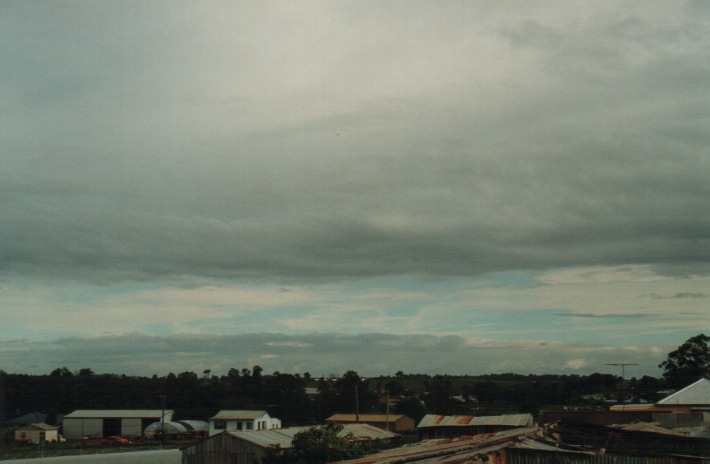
695	394
507	420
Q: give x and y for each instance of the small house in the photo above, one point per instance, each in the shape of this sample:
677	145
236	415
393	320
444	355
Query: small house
37	434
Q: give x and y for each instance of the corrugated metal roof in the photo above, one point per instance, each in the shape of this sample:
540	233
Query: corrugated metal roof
282	438
118	413
531	444
697	393
507	420
239	414
651	428
364	417
274	438
169	427
197	425
367	432
448	450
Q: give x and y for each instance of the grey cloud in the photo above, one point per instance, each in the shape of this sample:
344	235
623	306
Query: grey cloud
679	295
319	354
610	316
145	170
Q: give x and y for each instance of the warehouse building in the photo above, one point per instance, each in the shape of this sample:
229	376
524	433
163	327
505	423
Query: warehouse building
103	423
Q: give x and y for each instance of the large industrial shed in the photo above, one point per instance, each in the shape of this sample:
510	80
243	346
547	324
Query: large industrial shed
102	423
251	446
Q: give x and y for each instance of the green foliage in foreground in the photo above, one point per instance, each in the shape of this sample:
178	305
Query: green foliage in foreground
318	445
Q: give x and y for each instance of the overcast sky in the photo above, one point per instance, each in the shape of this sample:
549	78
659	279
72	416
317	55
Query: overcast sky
438	187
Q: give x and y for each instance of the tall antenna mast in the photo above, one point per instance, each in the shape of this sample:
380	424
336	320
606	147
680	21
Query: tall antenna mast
623	367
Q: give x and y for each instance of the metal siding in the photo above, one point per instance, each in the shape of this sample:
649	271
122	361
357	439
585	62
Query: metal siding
132	427
120	414
73	428
697	393
92	427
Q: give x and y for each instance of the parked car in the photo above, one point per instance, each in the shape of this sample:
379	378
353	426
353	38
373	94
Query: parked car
115	440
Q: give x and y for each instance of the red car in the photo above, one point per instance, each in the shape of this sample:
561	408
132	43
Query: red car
114	440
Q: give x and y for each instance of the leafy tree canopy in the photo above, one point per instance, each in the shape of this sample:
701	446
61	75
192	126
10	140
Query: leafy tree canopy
323	444
689	362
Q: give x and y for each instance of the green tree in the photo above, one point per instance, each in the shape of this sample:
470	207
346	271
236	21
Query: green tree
323	444
688	363
439	396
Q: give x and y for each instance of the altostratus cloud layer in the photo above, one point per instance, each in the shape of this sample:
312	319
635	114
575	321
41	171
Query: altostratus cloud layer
492	171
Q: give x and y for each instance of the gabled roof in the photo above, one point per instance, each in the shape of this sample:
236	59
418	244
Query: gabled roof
119	414
365	417
239	415
508	420
39	426
695	394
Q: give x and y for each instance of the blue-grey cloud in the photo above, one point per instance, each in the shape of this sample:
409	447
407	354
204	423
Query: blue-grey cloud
317	353
679	295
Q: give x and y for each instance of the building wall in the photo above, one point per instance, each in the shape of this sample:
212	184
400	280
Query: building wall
223	449
77	428
403	424
132	427
35	435
263	423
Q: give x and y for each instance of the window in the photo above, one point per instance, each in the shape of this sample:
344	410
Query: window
220	425
250	426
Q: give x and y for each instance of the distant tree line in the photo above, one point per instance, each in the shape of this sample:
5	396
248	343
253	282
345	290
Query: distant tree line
284	395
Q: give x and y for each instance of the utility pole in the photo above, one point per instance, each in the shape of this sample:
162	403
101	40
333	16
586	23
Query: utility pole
623	366
162	421
387	419
357	406
623	377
